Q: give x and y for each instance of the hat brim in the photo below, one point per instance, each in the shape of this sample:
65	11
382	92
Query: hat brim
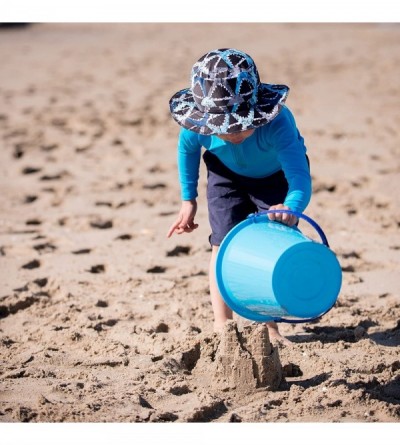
271	98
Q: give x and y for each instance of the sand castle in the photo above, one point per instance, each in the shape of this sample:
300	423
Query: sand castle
245	360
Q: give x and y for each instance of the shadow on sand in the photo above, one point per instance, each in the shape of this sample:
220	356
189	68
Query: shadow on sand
349	334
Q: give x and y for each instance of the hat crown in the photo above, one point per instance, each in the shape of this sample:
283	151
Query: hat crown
225	81
226	95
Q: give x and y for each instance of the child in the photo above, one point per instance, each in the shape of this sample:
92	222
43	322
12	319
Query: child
255	156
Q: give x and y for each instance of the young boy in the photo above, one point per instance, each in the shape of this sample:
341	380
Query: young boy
255	156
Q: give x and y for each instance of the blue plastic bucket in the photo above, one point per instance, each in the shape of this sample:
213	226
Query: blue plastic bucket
267	271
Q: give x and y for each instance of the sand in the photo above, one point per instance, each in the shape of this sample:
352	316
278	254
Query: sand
104	319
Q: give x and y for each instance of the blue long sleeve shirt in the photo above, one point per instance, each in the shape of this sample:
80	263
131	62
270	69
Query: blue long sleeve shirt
275	146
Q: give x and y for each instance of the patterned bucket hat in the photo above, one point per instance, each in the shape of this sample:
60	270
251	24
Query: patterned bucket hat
226	95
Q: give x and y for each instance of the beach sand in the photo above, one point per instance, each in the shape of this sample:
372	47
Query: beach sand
104	319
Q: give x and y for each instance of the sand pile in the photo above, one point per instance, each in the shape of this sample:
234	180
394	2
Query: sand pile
246	360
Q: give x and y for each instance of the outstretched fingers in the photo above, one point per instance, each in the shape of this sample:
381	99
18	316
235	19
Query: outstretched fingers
182	225
185	221
173	227
189	227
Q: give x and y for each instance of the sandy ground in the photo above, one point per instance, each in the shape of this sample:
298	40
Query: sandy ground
103	319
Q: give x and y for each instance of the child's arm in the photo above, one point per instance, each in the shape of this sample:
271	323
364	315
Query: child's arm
189	152
291	152
188	158
284	136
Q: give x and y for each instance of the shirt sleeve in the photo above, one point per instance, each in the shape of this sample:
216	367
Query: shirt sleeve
291	153
189	153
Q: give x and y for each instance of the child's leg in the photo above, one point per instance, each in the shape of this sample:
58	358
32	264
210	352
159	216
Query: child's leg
226	213
275	335
222	313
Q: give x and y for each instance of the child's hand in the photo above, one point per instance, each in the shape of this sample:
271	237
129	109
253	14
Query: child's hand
285	218
185	220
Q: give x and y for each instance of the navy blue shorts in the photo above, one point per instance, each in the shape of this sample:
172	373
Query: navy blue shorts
232	197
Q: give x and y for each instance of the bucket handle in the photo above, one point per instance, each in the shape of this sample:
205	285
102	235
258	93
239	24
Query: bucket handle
298	215
324	241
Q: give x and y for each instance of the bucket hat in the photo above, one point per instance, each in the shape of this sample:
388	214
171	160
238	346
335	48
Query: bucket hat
226	95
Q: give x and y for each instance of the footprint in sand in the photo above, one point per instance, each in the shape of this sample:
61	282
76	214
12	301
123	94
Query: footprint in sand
41	282
158	185
179	251
33	222
351	254
117	141
31	170
122	185
101	224
81	251
124	237
34	264
83	148
320	186
111	205
98	268
123	204
30	198
156	269
48	147
45	248
55	177
18	151
350	209
103	204
156	169
169	213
